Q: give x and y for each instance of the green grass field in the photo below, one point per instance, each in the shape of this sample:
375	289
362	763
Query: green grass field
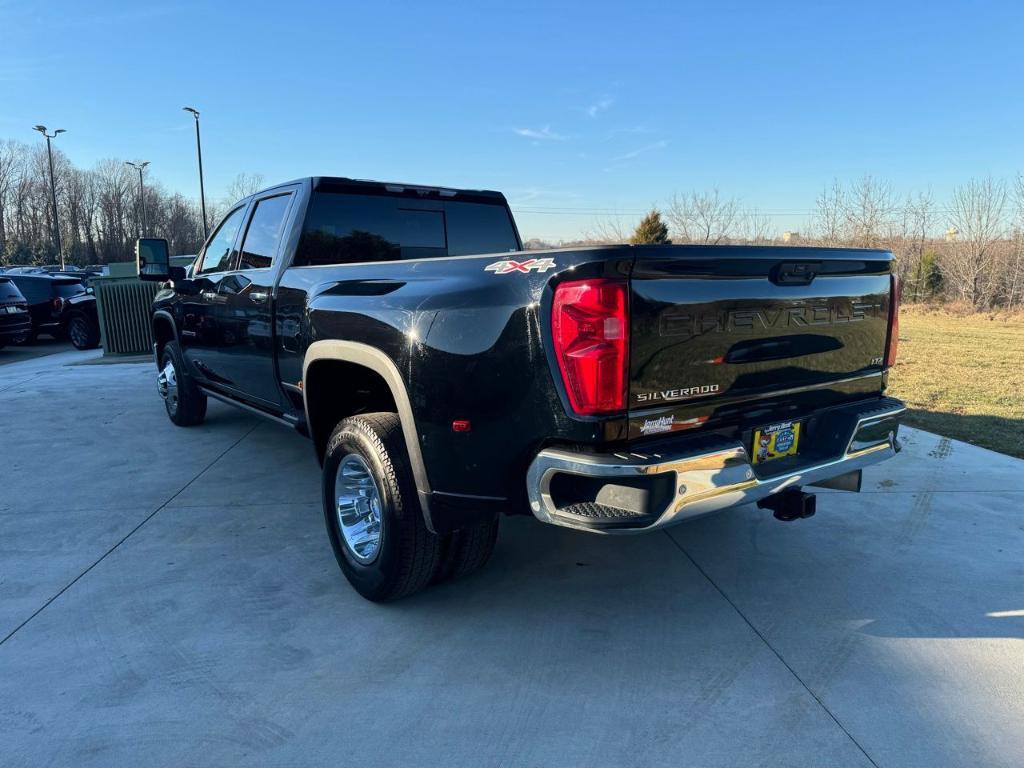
961	376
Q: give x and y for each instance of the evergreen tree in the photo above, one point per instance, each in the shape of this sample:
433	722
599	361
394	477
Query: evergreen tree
651	231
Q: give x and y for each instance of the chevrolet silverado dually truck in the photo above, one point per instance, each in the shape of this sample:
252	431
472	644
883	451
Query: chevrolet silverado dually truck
446	377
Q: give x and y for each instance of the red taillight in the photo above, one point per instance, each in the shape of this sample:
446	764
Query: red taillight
894	321
590	326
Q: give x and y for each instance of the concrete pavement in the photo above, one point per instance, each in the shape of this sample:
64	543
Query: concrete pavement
168	597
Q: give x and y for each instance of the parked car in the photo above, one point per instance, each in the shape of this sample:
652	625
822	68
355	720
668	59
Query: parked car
15	320
85	274
61	307
446	378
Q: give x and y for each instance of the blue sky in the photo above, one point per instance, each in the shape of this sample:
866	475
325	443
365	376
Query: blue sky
584	107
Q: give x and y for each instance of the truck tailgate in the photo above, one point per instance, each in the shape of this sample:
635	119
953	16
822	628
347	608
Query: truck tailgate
740	334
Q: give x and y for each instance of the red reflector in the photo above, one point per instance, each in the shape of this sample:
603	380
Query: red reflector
896	289
461	425
590	329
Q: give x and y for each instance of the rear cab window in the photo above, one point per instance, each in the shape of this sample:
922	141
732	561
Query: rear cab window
9	291
263	235
68	288
345	227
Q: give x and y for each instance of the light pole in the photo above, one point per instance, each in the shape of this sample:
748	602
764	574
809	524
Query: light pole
53	189
142	194
199	153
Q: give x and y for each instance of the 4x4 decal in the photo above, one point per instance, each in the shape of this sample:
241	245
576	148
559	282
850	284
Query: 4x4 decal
506	266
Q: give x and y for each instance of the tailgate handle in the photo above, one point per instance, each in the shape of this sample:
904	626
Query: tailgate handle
795	272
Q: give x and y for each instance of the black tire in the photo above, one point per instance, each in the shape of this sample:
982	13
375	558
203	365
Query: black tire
407	555
83	332
188	407
467	550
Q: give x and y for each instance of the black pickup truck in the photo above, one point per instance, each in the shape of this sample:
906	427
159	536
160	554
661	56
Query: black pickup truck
446	377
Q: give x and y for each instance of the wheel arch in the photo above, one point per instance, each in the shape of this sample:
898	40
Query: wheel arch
318	357
164	330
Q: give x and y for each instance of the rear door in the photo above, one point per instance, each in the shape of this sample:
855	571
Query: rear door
742	334
247	300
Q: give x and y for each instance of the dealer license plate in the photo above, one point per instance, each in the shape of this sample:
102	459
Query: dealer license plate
776	441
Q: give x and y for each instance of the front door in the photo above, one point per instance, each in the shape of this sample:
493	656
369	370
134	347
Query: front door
201	337
247	294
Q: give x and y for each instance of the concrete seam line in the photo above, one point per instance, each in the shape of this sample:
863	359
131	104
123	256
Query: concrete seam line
778	655
19	383
128	535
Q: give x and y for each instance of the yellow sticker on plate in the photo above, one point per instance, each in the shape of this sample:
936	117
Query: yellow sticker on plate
776	441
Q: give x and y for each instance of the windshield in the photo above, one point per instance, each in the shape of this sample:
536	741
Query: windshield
343	228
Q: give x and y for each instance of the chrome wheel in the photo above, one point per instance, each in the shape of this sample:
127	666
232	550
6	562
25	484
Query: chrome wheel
167	386
358	507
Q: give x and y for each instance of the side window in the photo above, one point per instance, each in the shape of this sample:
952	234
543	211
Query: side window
217	257
264	233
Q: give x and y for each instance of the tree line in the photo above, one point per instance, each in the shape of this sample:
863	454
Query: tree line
968	249
99	210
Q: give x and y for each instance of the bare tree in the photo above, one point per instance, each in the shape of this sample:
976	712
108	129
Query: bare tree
977	214
243	185
703	217
609	230
869	208
908	229
1014	271
830	215
755	227
9	161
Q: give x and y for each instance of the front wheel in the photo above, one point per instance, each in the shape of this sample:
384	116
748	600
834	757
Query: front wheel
373	516
185	403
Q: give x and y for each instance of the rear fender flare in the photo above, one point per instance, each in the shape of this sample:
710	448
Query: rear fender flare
378	362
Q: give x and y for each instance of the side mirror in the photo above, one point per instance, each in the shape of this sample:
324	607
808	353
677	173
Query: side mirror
152	256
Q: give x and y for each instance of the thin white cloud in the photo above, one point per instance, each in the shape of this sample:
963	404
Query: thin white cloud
543	134
600	106
641	151
633	130
527	195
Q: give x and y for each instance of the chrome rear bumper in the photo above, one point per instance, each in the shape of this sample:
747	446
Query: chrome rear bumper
707	480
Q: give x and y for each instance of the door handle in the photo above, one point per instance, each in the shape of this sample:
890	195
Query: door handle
259	296
208	294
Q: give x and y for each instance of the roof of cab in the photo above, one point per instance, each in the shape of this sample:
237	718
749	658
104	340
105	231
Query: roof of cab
368	186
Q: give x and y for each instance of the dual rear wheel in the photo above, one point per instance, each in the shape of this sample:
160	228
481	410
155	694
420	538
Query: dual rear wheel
374	520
